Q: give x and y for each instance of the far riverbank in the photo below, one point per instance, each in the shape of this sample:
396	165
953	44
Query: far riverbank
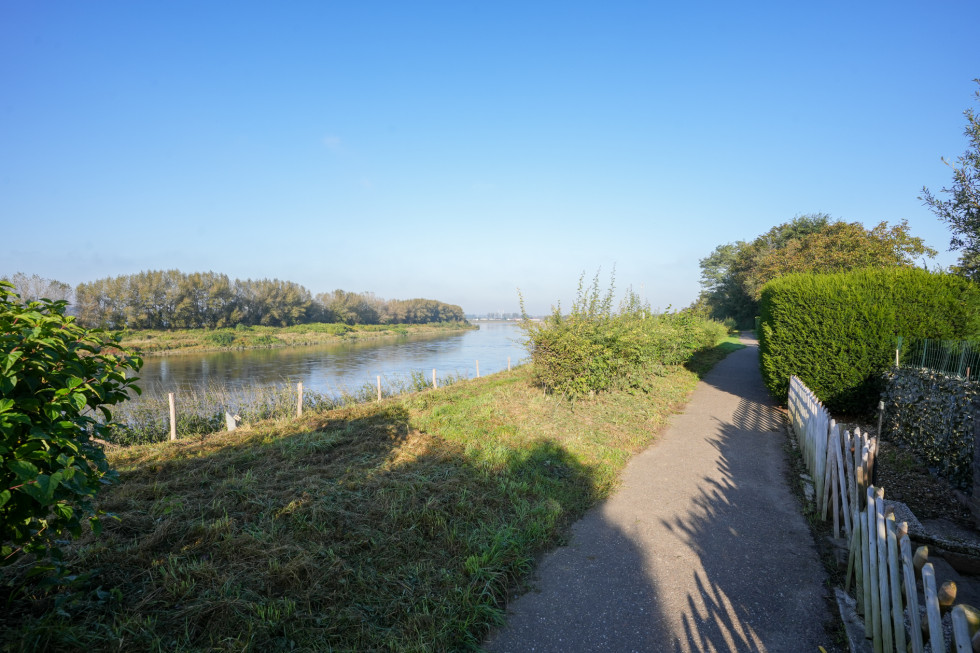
151	342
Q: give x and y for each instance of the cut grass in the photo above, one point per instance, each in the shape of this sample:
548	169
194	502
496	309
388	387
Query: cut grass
398	525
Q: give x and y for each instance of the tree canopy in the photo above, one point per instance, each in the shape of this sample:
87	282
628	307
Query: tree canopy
961	209
35	287
170	299
733	275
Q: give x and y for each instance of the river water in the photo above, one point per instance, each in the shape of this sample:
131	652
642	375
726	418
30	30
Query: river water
331	369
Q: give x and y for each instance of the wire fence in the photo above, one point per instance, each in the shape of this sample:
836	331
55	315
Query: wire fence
155	416
953	357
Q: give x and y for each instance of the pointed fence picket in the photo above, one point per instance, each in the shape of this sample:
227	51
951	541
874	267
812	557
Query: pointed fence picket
838	461
880	562
885	584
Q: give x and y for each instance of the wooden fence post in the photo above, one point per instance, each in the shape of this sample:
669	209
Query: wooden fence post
895	585
961	631
911	595
932	608
884	596
841	486
853	545
508	363
872	585
851	475
299	400
881	415
379	387
872	452
818	449
478	368
434	385
828	477
866	575
173	416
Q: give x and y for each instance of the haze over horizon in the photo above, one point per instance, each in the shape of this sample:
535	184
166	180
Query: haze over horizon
460	152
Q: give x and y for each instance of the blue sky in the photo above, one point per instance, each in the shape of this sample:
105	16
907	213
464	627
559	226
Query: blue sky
462	150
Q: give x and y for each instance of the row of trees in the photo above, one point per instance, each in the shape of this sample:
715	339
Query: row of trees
368	308
34	287
733	275
170	299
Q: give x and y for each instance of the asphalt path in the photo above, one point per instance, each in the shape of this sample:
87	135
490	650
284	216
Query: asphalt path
703	547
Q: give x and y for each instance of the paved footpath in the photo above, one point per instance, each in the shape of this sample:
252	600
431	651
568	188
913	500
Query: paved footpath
703	548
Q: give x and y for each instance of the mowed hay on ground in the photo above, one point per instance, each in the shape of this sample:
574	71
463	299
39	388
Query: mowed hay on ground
398	525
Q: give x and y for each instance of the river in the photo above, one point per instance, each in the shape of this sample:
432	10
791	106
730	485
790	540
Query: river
330	369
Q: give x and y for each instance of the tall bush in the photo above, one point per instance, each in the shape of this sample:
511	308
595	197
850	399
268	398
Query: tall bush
595	346
837	331
54	376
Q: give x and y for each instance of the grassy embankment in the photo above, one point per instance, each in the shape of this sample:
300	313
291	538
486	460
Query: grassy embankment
153	342
398	525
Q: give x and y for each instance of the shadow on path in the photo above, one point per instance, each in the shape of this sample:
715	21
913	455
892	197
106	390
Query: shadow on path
702	549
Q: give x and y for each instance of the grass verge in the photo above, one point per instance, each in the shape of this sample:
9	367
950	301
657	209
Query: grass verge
398	525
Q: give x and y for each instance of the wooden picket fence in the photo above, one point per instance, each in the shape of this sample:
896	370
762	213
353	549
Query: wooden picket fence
880	560
839	463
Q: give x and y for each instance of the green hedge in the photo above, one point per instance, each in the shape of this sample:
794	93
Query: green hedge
932	414
837	331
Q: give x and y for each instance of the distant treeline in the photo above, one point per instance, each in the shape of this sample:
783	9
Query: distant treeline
171	299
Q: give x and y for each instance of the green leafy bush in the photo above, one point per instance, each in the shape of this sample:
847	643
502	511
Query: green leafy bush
54	375
223	338
261	340
596	347
932	414
837	331
334	329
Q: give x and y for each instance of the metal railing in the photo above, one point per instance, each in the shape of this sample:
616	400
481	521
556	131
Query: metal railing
953	357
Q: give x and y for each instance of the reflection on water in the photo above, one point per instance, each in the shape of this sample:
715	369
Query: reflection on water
327	369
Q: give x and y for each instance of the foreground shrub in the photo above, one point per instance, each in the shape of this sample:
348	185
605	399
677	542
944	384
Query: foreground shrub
54	375
932	414
837	332
593	348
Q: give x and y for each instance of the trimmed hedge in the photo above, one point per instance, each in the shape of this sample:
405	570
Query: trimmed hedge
837	331
932	414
